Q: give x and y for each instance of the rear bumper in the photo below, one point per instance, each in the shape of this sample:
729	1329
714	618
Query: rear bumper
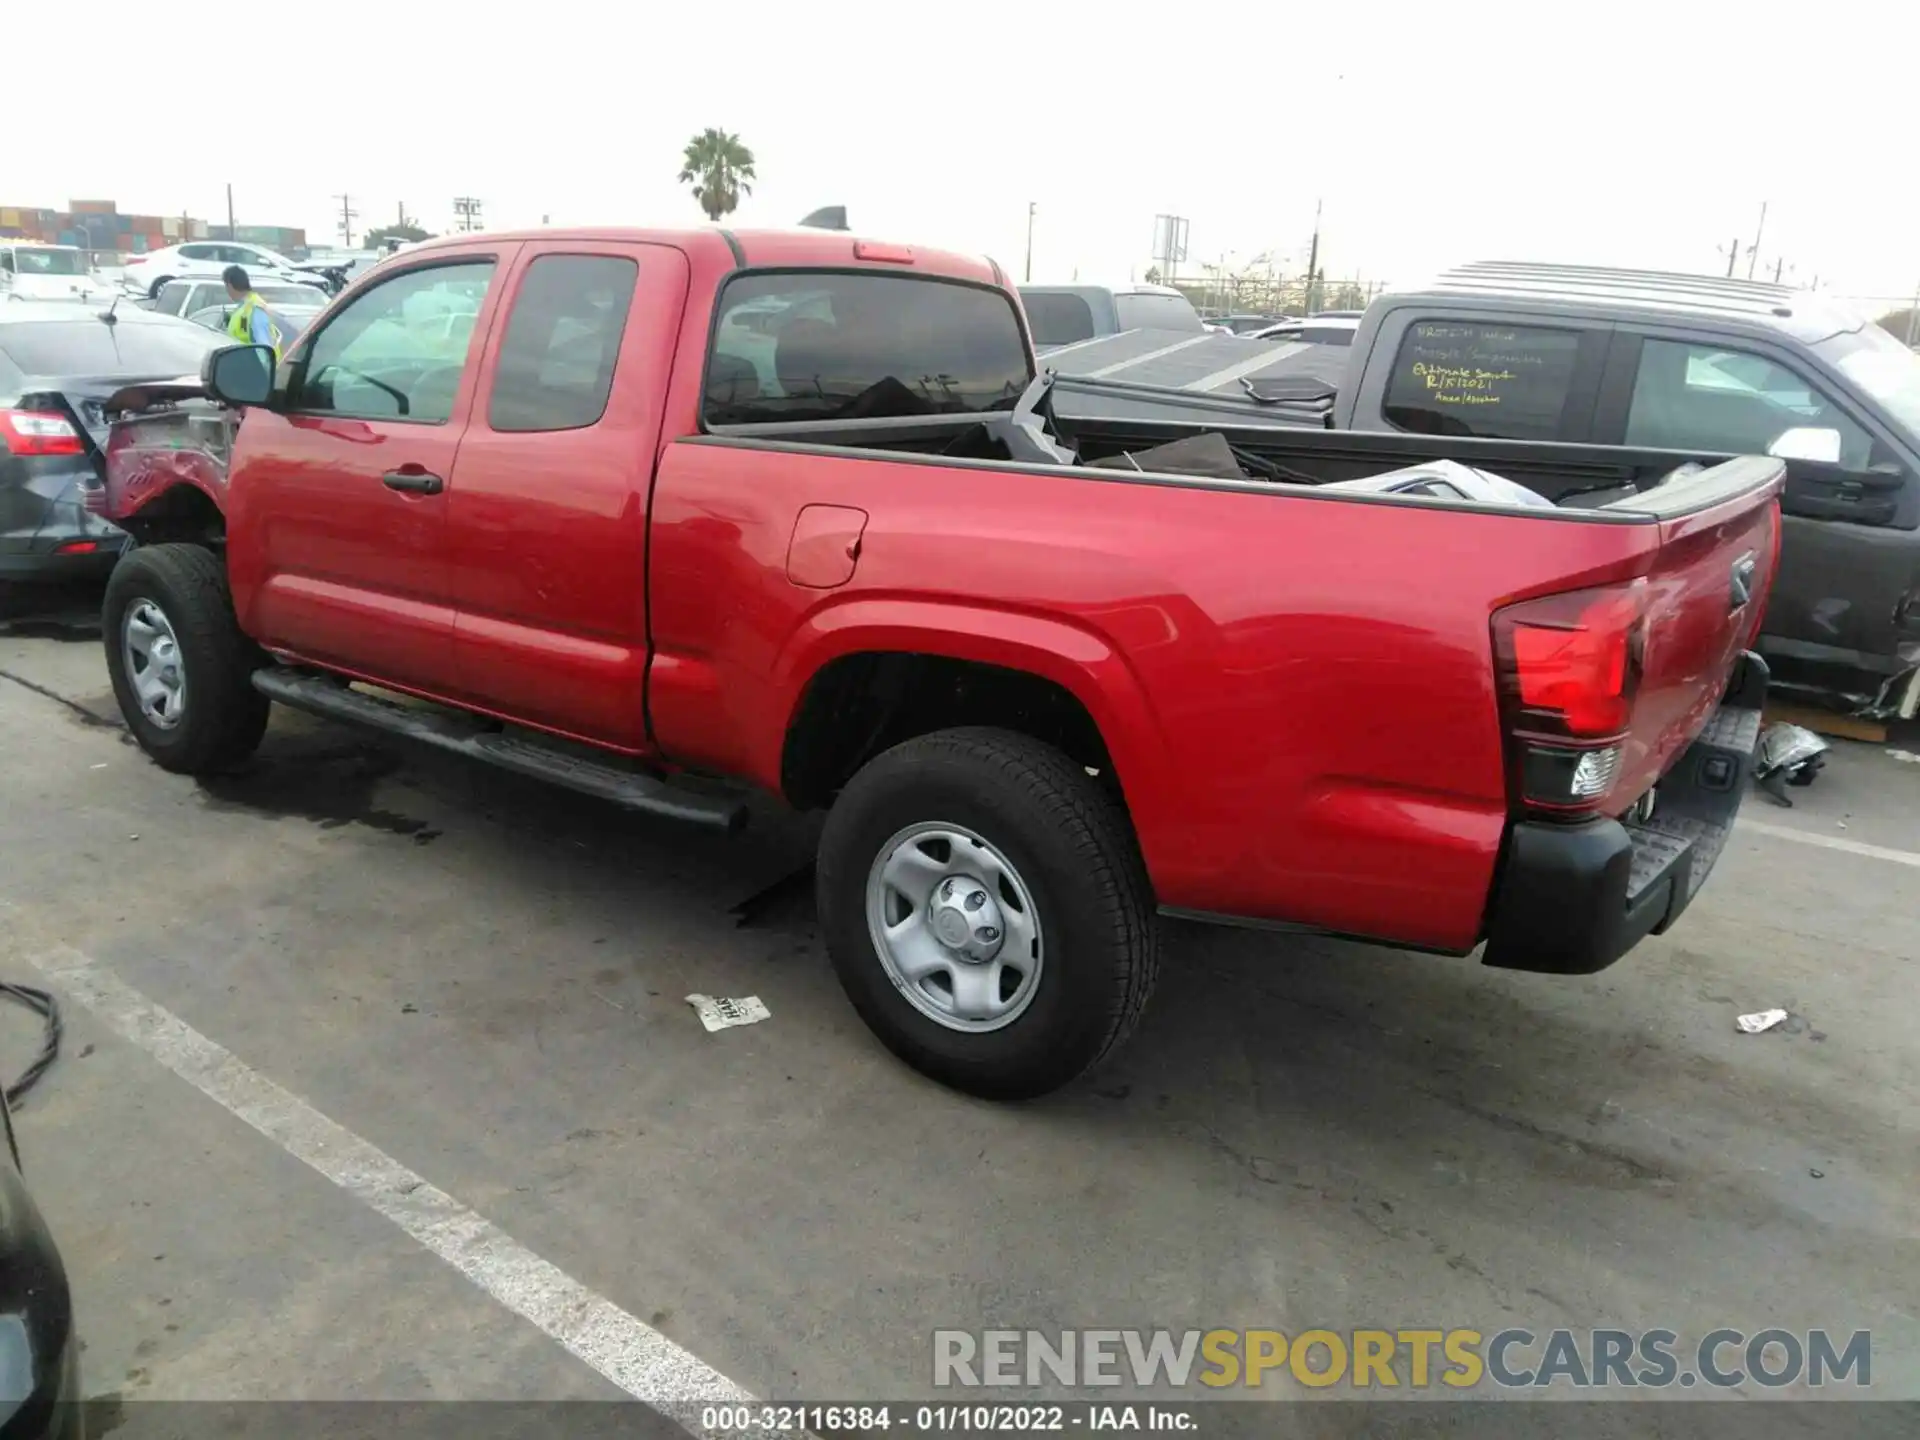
1572	899
51	566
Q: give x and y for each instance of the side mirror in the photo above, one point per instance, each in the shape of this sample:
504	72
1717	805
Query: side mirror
239	374
1807	442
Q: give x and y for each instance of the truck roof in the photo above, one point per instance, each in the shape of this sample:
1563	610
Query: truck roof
1139	287
1752	305
803	247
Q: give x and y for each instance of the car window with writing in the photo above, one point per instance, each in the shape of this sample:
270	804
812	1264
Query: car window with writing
1505	382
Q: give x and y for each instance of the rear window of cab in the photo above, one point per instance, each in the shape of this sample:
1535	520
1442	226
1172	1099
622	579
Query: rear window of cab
826	345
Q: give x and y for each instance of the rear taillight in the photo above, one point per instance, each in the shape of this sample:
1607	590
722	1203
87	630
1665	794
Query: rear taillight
133	260
1569	667
36	432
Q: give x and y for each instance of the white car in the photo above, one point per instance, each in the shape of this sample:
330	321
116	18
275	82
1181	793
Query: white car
198	259
30	271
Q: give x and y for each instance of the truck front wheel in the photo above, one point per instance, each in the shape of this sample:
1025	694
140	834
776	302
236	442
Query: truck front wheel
180	666
987	912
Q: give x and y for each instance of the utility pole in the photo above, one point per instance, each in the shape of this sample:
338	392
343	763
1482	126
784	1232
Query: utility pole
1733	255
405	223
1779	264
347	216
467	209
1032	206
230	231
1758	230
1313	261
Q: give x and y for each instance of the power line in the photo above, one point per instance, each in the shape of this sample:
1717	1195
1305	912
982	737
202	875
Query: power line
347	216
467	209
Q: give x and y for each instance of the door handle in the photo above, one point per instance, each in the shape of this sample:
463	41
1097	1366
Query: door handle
415	482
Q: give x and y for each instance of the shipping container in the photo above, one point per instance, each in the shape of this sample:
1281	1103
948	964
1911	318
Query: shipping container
9	217
198	230
124	242
69	237
91	207
170	227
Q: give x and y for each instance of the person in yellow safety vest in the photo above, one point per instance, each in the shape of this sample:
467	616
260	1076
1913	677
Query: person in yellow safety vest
250	323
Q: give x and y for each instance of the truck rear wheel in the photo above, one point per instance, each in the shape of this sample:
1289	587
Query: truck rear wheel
180	666
987	912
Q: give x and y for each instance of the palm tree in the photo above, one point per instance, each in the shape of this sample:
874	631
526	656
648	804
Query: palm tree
719	168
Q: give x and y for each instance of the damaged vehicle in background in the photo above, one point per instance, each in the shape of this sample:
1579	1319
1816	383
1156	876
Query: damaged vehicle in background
58	363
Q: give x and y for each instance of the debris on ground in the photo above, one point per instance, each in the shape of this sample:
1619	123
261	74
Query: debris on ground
1759	1021
724	1014
1789	755
1906	755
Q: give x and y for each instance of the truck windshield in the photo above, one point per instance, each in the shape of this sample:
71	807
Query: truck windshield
1883	367
818	345
36	261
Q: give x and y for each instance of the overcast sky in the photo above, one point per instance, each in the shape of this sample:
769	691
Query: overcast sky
1635	134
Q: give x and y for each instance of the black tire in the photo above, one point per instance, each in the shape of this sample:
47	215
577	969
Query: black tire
223	717
153	290
1074	848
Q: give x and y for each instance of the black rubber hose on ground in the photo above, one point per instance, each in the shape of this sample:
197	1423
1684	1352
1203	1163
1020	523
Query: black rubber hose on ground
41	1003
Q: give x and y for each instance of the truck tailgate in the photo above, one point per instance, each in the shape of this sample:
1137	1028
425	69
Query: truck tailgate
1704	597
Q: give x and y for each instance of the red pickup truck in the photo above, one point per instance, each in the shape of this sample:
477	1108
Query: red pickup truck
675	518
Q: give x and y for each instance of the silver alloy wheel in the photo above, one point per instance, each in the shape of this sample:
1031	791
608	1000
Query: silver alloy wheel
151	652
955	927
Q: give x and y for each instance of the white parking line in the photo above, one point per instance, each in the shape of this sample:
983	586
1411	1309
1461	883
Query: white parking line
634	1356
1831	842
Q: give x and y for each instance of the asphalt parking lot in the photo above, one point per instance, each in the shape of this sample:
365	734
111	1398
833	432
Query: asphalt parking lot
483	981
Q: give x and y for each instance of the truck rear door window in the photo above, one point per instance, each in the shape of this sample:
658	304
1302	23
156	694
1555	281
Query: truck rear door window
1707	397
555	369
1058	319
1499	382
822	345
1157	312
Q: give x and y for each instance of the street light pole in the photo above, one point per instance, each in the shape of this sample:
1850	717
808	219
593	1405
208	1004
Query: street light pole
1758	231
1032	205
1313	263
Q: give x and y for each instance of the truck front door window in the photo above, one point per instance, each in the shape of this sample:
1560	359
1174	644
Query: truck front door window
556	363
1499	382
397	351
1709	398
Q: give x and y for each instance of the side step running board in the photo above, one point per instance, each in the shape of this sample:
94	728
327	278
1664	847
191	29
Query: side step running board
453	731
